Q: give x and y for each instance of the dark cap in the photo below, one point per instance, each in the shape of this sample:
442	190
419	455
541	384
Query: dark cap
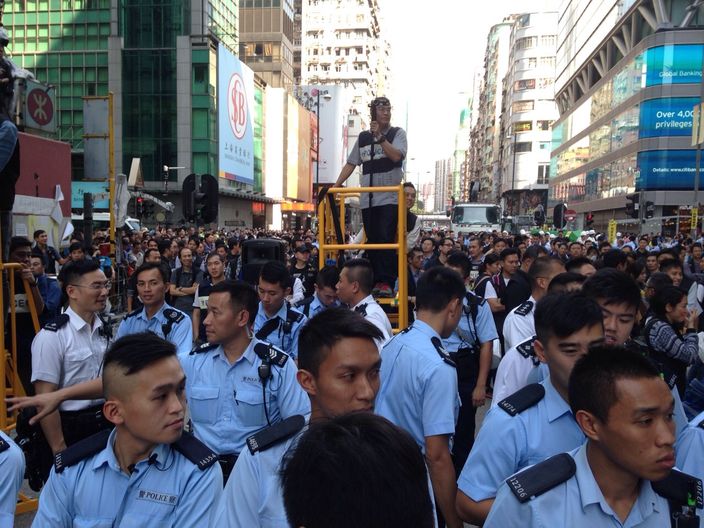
303	248
380	101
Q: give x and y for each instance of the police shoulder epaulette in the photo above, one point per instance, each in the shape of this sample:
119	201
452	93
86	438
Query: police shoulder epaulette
474	298
361	309
293	315
526	348
542	477
58	322
81	450
174	315
134	312
195	451
523	399
441	351
681	489
4	445
271	354
525	308
272	435
205	347
304	302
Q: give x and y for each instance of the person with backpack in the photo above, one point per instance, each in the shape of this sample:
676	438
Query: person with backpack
380	151
663	332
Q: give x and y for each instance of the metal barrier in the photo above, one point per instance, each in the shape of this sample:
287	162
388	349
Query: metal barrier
327	244
11	384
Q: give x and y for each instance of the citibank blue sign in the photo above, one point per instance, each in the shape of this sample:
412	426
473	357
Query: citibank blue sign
666	170
666	117
235	113
674	64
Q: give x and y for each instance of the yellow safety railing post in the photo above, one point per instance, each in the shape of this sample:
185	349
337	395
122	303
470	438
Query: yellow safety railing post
399	245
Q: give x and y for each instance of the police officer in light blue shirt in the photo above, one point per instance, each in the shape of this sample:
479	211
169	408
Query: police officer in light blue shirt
157	316
147	471
276	321
336	342
419	382
325	295
536	422
12	471
237	384
625	410
690	450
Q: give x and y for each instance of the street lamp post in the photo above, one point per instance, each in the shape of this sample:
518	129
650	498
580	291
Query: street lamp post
327	97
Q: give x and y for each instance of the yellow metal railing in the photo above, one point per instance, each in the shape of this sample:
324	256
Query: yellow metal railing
11	384
328	244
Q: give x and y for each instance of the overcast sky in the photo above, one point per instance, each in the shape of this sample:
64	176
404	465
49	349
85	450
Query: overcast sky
437	47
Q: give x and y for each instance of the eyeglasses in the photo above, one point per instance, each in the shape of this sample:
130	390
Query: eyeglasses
95	286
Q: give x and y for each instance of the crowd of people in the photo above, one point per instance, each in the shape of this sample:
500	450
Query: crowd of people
219	402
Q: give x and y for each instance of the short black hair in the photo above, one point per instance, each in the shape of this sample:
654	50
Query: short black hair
75	246
275	272
592	385
541	266
355	470
133	353
457	259
559	282
149	252
214	254
327	277
323	331
409	184
614	258
575	264
437	287
242	296
670	263
489	258
74	270
146	266
533	252
361	271
612	287
667	295
17	242
508	252
37	233
658	280
563	314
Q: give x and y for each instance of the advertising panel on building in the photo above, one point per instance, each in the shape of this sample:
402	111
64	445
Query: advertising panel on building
235	112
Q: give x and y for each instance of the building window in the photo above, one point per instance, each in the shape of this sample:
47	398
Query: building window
548	40
522	106
524	146
522	126
526	43
548	62
524	21
544	145
544	125
543	174
524	84
545	82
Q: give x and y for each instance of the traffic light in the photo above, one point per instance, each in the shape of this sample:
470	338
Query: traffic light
140	206
649	209
589	219
558	216
632	205
200	200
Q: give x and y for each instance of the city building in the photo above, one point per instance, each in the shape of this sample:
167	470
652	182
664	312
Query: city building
459	155
528	111
442	198
342	44
628	76
486	134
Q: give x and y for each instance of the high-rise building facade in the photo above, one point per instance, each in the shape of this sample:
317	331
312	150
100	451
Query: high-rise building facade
486	134
443	183
528	113
628	76
342	44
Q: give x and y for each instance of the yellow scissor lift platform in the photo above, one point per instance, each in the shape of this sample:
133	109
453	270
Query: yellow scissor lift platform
329	244
11	384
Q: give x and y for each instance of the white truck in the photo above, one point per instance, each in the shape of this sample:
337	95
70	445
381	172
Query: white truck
475	218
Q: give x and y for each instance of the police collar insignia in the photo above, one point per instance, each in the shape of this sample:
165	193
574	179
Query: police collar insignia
361	309
441	351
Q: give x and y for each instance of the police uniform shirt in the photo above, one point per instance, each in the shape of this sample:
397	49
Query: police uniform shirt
418	386
70	355
226	401
375	314
514	370
288	342
170	491
506	444
689	449
181	333
520	323
578	503
12	471
252	495
465	335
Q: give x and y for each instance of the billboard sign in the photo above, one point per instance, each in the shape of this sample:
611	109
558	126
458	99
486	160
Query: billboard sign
79	188
666	170
235	114
673	64
671	116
